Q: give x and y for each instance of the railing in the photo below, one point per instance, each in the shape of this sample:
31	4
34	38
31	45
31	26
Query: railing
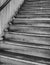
4	4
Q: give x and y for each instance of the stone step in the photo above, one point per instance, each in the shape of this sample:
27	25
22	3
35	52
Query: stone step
34	12
34	8
21	59
31	21
27	38
37	0
27	50
32	16
8	42
43	3
40	1
30	29
37	5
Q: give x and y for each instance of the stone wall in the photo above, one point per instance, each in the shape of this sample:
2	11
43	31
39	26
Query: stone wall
8	12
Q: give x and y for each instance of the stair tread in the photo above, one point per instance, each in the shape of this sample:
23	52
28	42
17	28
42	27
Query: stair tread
31	30
30	59
33	16
30	39
27	50
32	24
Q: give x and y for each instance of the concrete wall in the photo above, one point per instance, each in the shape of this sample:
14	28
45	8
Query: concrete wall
7	12
2	1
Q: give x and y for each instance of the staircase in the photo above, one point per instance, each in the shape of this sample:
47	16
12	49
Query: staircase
28	34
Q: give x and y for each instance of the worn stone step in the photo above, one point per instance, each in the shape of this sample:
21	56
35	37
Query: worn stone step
43	53
33	16
34	8
34	12
29	22
37	0
30	29
22	59
33	21
26	38
37	3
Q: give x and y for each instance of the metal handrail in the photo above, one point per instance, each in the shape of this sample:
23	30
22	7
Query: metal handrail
4	4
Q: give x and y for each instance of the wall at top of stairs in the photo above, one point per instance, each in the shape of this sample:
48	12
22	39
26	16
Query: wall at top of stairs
8	12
